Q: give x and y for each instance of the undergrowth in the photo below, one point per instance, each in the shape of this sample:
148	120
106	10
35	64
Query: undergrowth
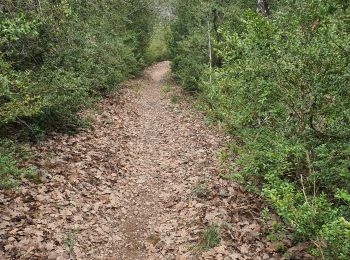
11	171
210	238
60	57
279	84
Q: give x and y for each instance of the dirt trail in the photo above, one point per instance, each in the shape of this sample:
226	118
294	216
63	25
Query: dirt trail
142	183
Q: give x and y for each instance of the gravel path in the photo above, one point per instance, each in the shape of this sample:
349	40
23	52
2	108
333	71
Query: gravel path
141	183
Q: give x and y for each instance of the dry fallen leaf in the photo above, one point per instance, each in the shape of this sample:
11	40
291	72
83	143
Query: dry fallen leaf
110	187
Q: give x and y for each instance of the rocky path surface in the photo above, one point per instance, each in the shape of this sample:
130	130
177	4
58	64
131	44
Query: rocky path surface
141	183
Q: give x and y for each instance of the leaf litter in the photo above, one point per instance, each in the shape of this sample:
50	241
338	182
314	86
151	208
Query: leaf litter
145	185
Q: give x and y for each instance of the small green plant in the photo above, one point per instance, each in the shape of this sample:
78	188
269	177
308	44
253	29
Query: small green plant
69	240
224	155
277	233
265	214
10	170
167	88
137	87
87	120
281	247
210	237
174	99
201	189
33	174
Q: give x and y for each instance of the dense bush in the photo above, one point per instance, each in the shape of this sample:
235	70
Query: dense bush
282	88
58	56
158	49
188	43
56	53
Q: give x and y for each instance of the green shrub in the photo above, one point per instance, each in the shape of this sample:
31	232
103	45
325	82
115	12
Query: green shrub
282	89
57	57
337	235
188	44
10	171
210	237
158	48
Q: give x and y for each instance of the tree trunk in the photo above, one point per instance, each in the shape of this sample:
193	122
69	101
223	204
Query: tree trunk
263	7
210	53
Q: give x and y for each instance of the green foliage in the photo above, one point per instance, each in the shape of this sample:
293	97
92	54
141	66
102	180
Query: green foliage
210	237
158	48
10	172
174	99
201	189
57	57
188	44
167	88
70	238
337	235
281	86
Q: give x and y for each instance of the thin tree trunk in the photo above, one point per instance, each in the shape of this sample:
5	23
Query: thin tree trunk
210	53
263	7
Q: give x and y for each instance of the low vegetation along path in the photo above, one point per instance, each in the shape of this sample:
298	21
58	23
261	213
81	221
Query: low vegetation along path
141	183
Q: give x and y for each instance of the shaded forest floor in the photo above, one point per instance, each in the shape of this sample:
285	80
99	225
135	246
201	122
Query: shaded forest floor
141	183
